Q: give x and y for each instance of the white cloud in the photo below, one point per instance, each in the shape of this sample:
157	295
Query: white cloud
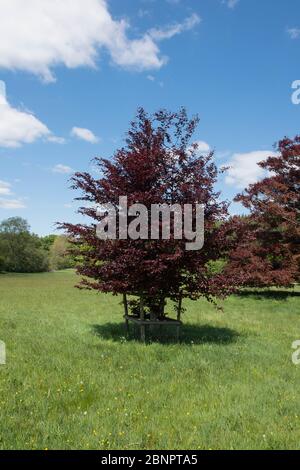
202	146
56	140
2	90
62	169
38	35
294	33
11	204
244	170
7	202
231	3
5	188
177	28
84	134
221	154
18	127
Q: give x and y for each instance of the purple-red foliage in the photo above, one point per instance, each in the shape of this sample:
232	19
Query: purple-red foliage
273	257
157	165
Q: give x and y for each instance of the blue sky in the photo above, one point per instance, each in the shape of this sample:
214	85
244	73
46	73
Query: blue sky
77	73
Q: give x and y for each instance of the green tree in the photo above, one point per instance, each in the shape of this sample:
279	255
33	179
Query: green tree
2	263
60	257
20	250
48	241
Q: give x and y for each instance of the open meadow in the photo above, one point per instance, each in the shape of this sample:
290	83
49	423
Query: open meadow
72	380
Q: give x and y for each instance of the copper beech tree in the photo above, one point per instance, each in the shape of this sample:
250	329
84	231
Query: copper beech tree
273	256
157	165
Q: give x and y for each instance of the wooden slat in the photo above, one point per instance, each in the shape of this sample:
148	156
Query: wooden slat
165	322
179	308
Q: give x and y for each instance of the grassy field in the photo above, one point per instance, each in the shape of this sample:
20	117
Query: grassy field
72	381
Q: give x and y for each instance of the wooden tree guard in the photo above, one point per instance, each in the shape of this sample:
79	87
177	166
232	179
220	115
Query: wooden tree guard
142	322
179	307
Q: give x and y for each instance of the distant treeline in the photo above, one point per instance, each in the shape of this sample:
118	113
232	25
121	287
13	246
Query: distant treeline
21	251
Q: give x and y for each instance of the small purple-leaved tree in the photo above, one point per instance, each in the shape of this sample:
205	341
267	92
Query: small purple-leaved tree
158	165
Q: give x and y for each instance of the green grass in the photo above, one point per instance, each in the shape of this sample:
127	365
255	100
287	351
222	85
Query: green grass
72	381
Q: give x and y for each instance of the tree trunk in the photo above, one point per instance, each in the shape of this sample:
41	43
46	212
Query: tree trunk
179	308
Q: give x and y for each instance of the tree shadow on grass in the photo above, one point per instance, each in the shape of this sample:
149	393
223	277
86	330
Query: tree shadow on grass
190	334
269	294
